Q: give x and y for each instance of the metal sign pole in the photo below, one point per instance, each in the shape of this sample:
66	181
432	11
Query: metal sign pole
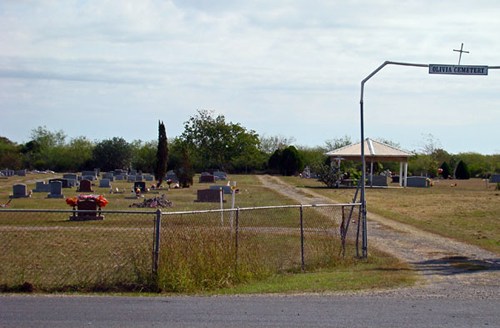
433	69
363	161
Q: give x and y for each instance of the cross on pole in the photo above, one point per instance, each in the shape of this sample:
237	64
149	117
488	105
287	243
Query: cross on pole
460	51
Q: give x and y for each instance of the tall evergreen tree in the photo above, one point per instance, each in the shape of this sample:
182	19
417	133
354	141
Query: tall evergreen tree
462	171
161	155
446	170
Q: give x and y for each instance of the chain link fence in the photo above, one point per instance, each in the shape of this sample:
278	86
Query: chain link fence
171	251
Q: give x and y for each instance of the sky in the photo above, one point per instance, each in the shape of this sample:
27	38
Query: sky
114	68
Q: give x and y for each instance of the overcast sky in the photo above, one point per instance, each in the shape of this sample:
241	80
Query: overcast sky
102	69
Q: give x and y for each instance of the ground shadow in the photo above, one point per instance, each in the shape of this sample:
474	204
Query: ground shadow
453	265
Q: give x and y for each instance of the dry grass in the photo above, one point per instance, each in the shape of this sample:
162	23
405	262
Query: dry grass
467	210
48	253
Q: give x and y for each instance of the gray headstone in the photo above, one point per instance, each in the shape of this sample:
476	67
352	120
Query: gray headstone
70	176
19	191
41	186
495	178
89	173
225	189
21	173
55	190
105	183
108	175
378	180
120	177
420	182
219	175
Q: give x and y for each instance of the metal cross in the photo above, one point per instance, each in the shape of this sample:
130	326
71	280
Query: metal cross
460	51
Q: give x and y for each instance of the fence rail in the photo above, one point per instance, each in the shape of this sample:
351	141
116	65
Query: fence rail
137	250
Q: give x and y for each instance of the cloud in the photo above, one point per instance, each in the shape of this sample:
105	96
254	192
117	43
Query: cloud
289	68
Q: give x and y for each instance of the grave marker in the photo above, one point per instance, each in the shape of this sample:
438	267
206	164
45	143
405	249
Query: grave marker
85	186
55	189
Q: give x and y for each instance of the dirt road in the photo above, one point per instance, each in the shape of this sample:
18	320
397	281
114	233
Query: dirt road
448	268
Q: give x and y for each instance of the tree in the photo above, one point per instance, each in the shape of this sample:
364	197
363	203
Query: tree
268	145
185	172
144	155
462	171
274	162
337	143
161	155
291	163
10	156
111	154
213	143
446	170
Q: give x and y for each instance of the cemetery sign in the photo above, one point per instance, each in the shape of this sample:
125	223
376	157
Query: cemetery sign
458	69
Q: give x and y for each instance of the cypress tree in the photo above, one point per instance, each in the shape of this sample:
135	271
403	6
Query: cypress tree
446	170
462	171
161	155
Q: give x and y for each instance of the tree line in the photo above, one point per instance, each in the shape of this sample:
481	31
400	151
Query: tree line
209	141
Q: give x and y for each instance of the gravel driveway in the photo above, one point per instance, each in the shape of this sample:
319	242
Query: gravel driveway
448	268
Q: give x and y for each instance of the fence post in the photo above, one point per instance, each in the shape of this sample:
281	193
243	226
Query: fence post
236	236
302	261
156	242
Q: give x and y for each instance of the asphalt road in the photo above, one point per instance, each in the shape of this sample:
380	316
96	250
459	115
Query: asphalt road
246	311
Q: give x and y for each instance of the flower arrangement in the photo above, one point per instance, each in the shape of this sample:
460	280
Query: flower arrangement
100	200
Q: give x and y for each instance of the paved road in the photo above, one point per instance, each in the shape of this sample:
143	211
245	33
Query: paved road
246	311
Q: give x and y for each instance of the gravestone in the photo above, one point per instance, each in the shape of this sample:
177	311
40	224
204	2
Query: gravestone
64	182
140	185
378	180
495	178
148	177
119	172
419	182
89	173
131	178
19	191
225	189
105	183
8	173
72	179
108	175
55	189
21	173
171	176
41	186
209	196
120	177
89	177
92	211
219	175
206	178
85	186
70	176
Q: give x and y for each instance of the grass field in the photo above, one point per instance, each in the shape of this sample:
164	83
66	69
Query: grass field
466	210
37	255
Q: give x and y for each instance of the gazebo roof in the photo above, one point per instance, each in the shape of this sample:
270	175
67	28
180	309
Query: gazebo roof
374	150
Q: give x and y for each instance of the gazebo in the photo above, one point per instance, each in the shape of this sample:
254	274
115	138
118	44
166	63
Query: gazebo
375	151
